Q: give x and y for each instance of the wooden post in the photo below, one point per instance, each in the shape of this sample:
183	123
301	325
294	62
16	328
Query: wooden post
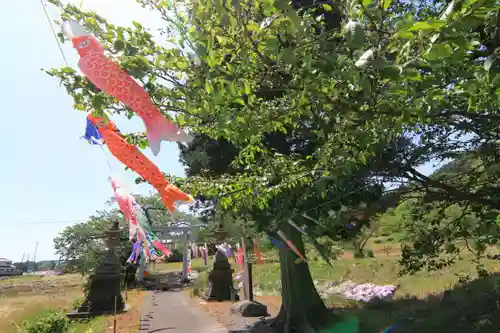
205	255
247	281
247	273
114	318
185	260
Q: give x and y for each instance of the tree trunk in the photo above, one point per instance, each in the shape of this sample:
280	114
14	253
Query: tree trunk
302	309
358	250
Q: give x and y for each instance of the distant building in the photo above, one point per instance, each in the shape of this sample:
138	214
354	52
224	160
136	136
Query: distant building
7	269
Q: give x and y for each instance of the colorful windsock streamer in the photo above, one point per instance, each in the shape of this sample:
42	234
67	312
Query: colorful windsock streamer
126	204
276	242
256	250
388	329
241	255
106	75
290	245
132	157
317	246
205	254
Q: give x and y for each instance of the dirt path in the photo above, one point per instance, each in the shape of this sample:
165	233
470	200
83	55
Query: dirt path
174	312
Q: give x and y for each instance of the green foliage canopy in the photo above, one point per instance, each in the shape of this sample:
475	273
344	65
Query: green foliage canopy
245	69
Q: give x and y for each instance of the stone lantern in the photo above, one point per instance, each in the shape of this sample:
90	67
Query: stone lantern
220	280
104	292
220	234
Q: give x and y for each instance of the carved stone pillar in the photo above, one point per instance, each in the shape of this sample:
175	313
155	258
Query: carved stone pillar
104	289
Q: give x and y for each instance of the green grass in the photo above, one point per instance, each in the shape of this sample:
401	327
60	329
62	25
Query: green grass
20	279
424	302
29	278
382	270
420	305
22	301
94	325
196	264
375	270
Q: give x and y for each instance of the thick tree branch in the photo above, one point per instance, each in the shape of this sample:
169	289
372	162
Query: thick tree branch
452	192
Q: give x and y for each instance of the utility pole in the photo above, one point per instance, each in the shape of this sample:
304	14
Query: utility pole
28	265
31	267
36	249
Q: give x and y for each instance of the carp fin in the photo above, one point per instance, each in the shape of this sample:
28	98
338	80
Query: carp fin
161	129
170	194
167	200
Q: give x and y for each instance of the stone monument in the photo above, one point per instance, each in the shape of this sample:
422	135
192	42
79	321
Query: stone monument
249	307
104	293
220	280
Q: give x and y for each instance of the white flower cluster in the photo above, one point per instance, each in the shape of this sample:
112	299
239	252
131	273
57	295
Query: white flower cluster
364	292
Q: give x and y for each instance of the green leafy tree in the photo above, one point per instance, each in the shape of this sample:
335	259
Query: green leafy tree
81	246
340	222
45	265
377	88
441	230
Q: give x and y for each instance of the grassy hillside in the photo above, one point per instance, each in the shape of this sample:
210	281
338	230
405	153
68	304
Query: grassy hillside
452	300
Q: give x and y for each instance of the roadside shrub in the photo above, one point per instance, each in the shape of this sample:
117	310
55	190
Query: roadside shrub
201	269
176	256
53	322
200	284
77	303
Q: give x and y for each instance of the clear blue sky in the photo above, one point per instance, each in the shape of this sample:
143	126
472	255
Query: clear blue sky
47	172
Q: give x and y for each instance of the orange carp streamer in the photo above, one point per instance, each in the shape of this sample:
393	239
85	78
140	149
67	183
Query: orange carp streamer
131	156
106	75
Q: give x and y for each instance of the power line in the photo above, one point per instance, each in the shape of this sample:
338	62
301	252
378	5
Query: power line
54	32
146	209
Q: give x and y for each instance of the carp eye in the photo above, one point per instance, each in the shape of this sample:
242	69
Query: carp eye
83	44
